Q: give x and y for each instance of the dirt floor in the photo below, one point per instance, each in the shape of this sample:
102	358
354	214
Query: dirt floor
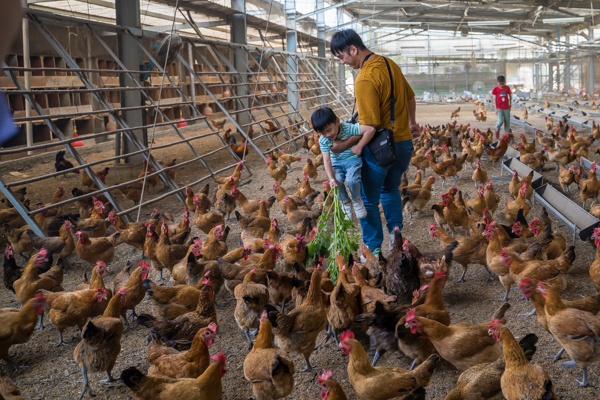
52	373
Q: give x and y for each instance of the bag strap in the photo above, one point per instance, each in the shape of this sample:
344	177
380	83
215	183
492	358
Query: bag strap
392	98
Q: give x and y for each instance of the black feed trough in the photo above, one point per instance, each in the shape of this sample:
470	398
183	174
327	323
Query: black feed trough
571	214
522	170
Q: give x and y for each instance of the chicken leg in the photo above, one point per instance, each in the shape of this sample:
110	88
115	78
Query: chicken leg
61	342
573	364
247	333
378	354
86	384
309	367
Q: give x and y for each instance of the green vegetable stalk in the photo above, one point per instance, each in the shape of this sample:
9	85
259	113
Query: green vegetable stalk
330	238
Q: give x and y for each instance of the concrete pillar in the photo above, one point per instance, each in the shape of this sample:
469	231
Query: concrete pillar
128	14
341	68
591	67
240	57
321	49
292	63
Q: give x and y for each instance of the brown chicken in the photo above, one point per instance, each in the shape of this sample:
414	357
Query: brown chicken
281	285
595	267
19	240
491	198
455	114
214	245
132	288
277	173
204	219
249	207
226	203
296	216
482	381
478	204
73	308
454	215
297	331
520	379
254	226
496	153
151	181
183	329
94	249
294	248
311	170
479	175
87	181
132	233
100	343
414	197
206	387
31	282
95	225
17	325
251	297
577	331
270	370
286	159
330	389
168	254
343	304
513	206
444	169
589	187
381	383
463	345
168	362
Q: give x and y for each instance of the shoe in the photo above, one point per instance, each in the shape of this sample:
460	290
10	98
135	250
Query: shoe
391	236
376	252
359	209
347	211
497	134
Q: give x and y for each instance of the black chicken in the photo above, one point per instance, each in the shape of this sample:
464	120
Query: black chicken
61	164
12	272
401	272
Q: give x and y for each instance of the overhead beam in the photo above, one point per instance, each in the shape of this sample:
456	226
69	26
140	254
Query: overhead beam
364	18
333	7
165	28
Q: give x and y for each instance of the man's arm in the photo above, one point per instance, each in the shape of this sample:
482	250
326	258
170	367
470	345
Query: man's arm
340	145
412	119
367	131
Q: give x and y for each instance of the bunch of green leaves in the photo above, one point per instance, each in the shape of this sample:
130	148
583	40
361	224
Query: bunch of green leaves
334	234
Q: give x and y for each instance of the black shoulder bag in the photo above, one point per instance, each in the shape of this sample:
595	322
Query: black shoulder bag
382	146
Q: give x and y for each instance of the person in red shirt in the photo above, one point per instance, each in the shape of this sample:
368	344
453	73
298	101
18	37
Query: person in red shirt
503	104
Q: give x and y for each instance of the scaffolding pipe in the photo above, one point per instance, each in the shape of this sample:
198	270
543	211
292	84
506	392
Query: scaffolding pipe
27	64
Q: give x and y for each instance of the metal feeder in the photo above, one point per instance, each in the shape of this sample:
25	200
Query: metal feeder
571	214
522	170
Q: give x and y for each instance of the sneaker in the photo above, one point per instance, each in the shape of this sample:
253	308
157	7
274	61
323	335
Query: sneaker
497	134
363	259
359	209
347	211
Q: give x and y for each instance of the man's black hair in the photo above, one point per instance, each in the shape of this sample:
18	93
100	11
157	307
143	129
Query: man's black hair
322	117
501	78
342	40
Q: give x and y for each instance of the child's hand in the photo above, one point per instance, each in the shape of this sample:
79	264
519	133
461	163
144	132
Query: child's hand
333	182
356	150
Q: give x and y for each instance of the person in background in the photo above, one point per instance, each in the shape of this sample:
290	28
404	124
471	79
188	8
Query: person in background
10	22
372	89
503	104
343	167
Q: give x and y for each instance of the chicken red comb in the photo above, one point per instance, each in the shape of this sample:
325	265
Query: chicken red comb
122	292
411	314
103	291
219	357
198	242
440	275
416	293
325	376
347	334
213	327
110	215
320	259
40	296
541	284
207	274
196	198
253	270
43	252
207	282
494	323
144	265
269	159
264	314
101	263
523	283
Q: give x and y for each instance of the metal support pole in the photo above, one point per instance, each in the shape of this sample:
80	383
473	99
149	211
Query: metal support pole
341	68
27	64
240	58
321	44
591	65
291	47
568	72
128	14
192	83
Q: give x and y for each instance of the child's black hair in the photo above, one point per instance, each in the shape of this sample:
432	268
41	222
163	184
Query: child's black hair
501	79
342	40
322	117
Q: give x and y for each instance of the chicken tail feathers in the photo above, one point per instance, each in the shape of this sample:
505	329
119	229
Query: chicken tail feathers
132	377
500	312
415	394
148	286
423	372
528	344
145	319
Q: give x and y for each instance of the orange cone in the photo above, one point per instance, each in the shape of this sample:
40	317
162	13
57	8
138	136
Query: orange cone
77	143
182	123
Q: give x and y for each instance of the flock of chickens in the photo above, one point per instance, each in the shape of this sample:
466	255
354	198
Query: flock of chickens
284	300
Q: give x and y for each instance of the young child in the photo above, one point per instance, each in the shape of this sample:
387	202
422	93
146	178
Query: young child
503	104
343	167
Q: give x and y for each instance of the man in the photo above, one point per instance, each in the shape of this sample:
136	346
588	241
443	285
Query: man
503	104
372	90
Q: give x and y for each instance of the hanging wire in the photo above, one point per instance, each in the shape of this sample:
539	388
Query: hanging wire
156	112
